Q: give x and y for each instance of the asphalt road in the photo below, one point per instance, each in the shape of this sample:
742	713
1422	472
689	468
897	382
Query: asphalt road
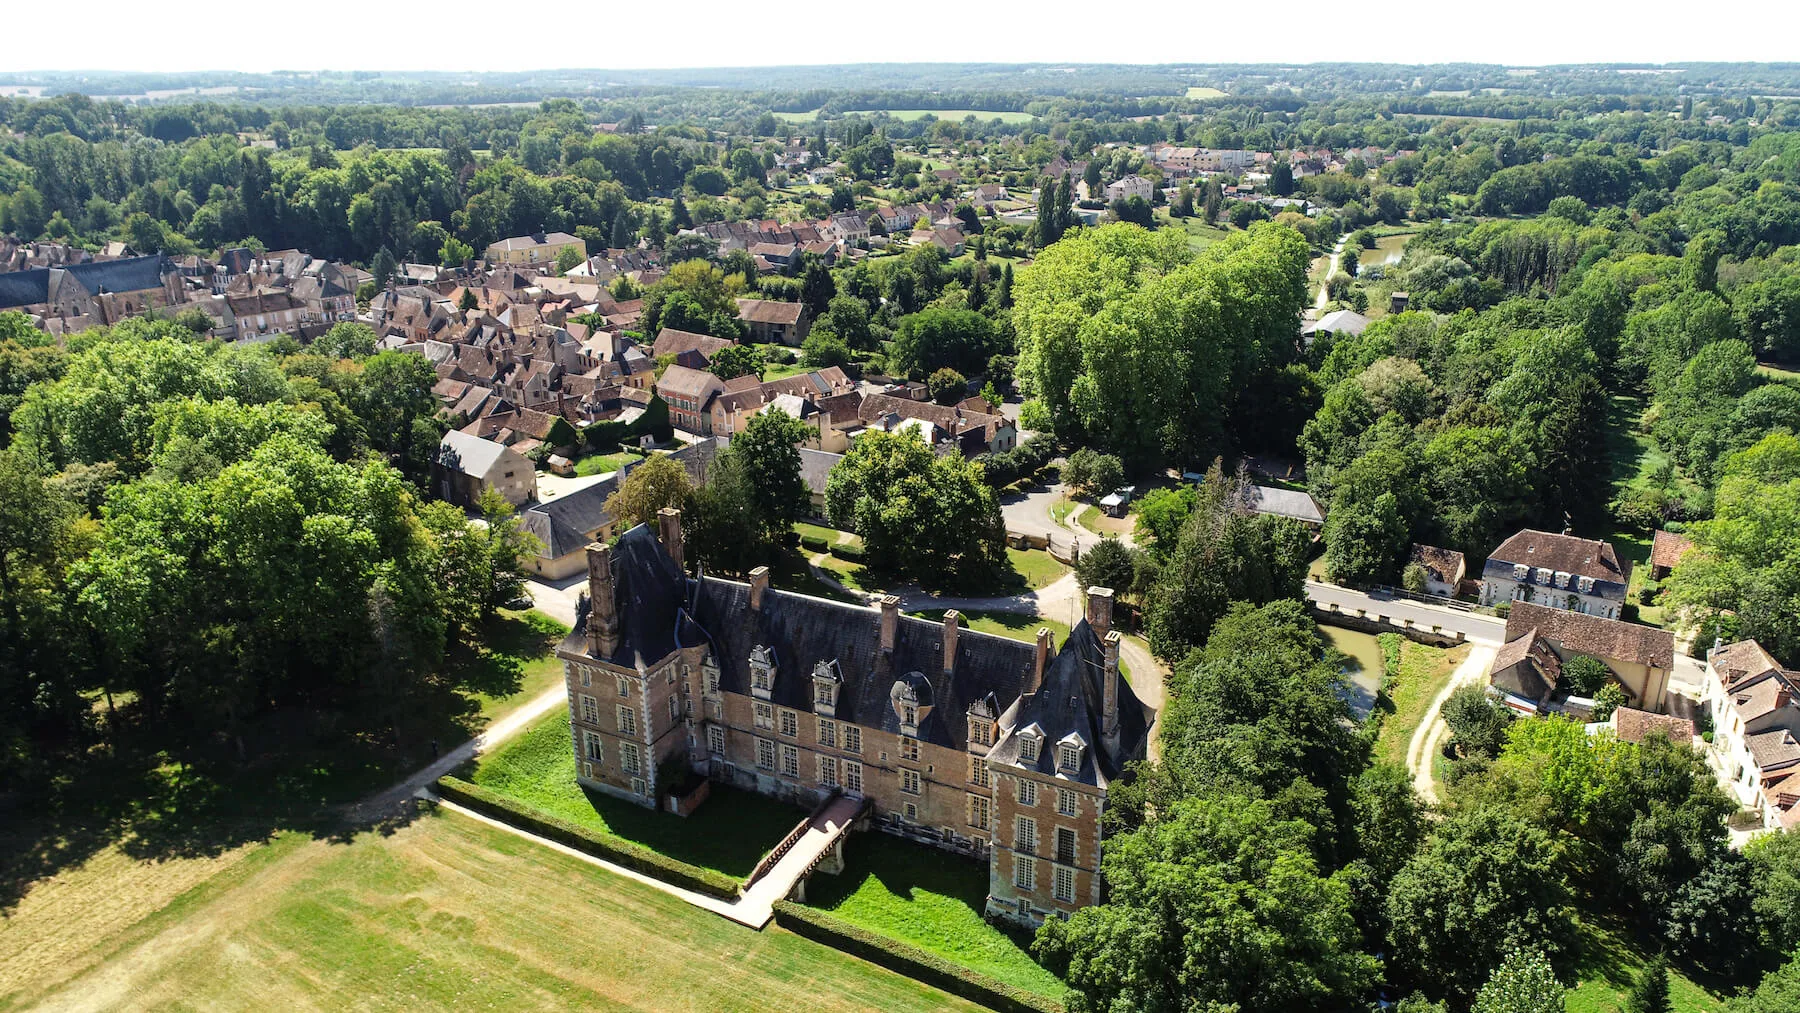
1474	626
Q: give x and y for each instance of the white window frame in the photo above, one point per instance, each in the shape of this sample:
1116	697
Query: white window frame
978	772
765	715
1028	792
790	723
909	748
983	807
624	687
1025	835
715	739
828	771
853	779
1063	888
593	748
790	760
828	733
909	781
852	739
765	754
1067	804
627	720
1025	873
630	760
590	710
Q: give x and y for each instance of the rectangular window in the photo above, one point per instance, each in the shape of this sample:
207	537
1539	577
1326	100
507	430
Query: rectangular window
674	709
909	749
853	777
828	771
593	746
759	678
1070	758
765	716
790	723
639	786
590	710
1065	845
909	782
587	677
1027	792
715	740
627	720
628	758
981	812
712	680
852	739
1025	873
587	770
823	694
1065	802
828	733
790	761
981	732
1065	884
978	771
1025	834
624	687
910	811
765	754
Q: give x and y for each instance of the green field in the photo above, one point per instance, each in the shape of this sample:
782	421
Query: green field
1634	463
1200	235
1036	567
1607	965
1775	372
601	464
728	834
1199	92
442	913
929	899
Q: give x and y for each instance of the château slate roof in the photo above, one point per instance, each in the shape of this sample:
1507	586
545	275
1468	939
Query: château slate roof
1069	701
650	591
565	524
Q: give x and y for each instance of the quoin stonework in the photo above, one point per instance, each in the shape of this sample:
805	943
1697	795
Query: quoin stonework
996	749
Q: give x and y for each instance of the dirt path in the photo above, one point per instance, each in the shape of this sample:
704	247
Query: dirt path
1331	269
1428	738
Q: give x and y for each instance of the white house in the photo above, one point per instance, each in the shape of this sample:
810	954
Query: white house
1556	571
1756	730
1127	187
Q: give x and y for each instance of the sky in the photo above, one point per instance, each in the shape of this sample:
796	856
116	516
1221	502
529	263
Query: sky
478	35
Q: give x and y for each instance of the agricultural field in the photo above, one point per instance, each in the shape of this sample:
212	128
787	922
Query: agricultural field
908	115
1198	92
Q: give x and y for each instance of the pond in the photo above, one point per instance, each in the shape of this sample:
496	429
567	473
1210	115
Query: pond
1362	665
1387	252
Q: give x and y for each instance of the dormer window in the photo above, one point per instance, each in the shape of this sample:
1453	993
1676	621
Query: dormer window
1521	571
909	719
1068	753
1031	740
981	732
826	679
1587	585
911	701
762	671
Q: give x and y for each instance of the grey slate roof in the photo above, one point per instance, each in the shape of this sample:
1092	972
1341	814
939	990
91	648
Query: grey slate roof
564	524
468	454
650	593
1285	503
815	468
1069	701
24	288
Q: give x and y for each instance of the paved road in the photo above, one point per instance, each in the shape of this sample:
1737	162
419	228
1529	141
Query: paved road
1029	514
1474	626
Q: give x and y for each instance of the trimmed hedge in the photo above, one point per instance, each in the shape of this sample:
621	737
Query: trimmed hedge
630	854
910	960
853	553
814	543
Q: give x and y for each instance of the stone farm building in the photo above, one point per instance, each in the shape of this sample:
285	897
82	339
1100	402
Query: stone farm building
992	748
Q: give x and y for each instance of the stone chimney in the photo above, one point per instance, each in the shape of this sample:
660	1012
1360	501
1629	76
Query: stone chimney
952	627
759	582
603	616
668	519
1044	637
890	621
1099	610
1109	689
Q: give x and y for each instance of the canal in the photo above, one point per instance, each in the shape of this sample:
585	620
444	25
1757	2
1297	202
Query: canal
1362	665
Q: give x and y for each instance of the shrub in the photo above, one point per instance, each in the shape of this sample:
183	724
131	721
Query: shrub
1390	657
853	553
618	850
910	960
814	543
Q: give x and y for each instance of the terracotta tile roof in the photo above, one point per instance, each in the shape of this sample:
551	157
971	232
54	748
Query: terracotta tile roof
1740	662
1606	639
1761	698
1635	725
1773	750
1444	565
1667	548
768	311
670	341
1581	556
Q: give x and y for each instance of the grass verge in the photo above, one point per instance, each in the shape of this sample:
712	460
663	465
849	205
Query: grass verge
1013	625
1609	964
1424	671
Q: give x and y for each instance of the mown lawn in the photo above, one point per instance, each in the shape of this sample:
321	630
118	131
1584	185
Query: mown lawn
1037	568
523	643
1607	966
601	464
933	901
831	535
448	913
1633	462
728	834
1424	671
1013	625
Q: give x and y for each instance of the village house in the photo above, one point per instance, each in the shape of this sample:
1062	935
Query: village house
689	348
93	292
1127	187
537	249
772	322
1528	667
1666	549
1557	571
1444	568
564	527
467	465
1755	747
992	748
688	393
948	240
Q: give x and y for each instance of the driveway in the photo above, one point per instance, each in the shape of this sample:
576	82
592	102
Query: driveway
1428	739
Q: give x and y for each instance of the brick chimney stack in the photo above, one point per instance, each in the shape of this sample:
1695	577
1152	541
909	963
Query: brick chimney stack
890	621
1099	610
1109	691
669	520
1043	659
603	615
952	628
759	582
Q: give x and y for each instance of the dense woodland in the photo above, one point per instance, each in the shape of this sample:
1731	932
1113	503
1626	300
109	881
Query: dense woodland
217	555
